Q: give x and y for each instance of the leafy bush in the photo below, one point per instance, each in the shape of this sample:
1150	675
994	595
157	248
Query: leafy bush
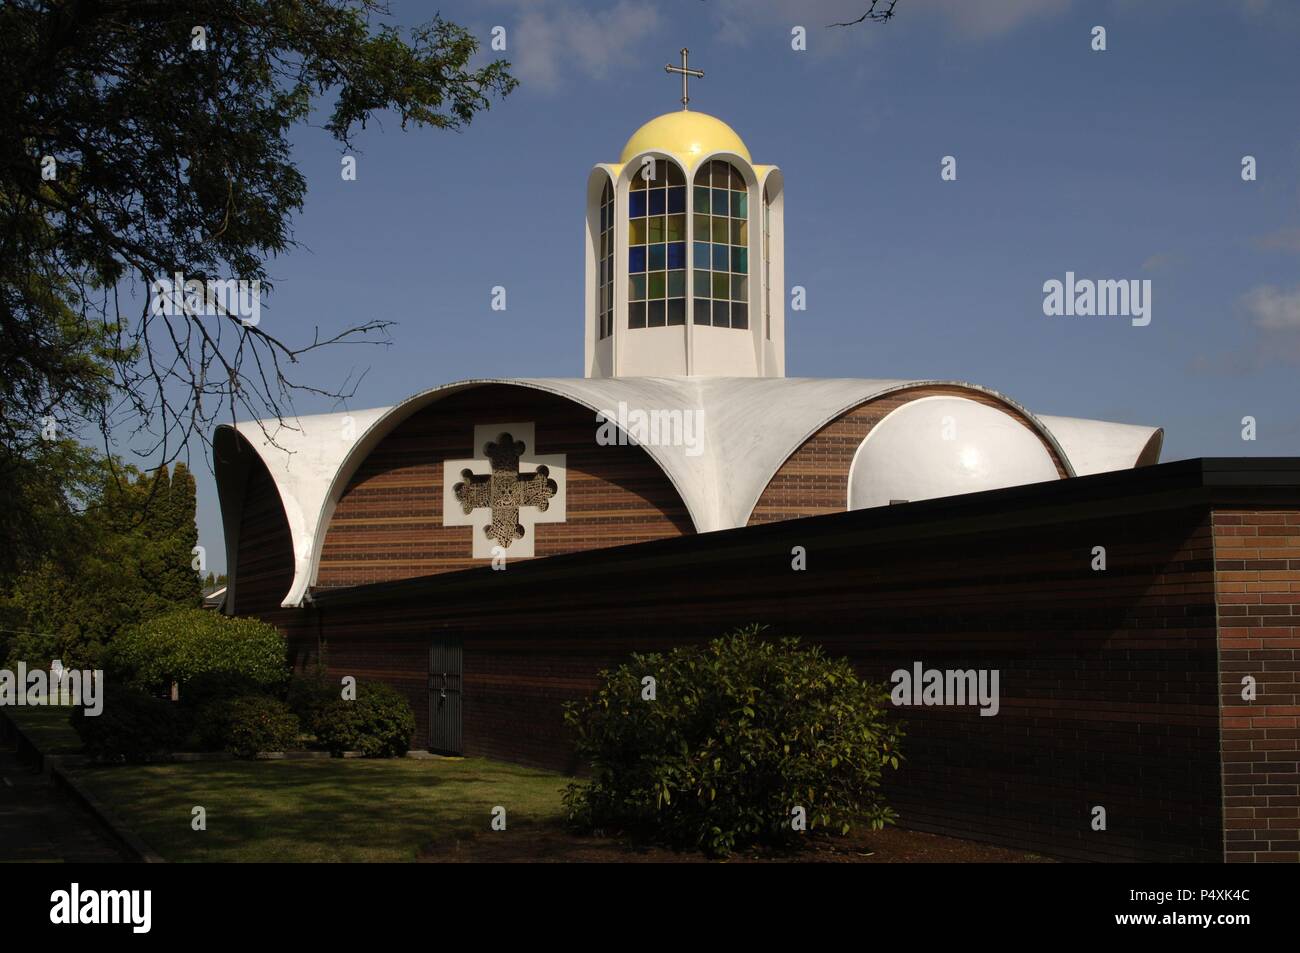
248	724
132	726
190	644
379	723
310	693
740	732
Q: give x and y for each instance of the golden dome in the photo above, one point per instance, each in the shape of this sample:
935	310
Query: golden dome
685	135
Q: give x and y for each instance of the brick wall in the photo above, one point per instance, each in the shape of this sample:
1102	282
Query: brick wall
388	523
1257	573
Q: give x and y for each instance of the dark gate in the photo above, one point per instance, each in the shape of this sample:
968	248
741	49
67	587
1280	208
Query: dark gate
444	696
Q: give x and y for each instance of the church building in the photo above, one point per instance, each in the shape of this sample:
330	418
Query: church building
488	545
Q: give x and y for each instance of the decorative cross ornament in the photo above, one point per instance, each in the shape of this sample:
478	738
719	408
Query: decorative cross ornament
517	487
687	73
505	490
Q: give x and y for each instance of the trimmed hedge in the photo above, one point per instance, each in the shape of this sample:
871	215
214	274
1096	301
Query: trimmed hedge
739	734
247	725
379	723
191	646
132	726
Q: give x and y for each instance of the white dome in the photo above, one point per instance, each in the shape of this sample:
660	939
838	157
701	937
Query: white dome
944	446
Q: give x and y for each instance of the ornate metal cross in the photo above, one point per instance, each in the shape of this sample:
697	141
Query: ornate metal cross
687	73
504	490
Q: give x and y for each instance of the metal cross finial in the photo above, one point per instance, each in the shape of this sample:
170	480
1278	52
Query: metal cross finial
687	73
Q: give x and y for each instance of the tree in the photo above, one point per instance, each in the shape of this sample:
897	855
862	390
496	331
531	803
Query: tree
141	139
123	558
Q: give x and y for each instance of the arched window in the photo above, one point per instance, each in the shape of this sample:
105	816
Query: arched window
656	246
720	204
605	270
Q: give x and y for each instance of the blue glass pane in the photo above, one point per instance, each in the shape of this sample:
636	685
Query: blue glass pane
739	207
701	254
636	258
720	206
701	310
635	204
656	201
677	255
657	257
720	256
677	199
740	260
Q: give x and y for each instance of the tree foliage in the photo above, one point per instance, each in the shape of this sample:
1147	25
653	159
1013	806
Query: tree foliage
117	554
189	644
739	734
173	155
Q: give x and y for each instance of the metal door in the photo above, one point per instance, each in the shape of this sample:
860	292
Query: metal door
444	696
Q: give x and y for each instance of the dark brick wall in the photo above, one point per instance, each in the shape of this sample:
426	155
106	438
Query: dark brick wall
1109	680
1257	573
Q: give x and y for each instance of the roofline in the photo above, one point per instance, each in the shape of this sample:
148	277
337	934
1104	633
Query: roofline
1199	483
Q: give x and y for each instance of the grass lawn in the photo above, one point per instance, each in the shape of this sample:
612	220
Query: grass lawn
48	727
334	810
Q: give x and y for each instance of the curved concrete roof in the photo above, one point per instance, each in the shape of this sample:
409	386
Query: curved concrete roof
750	427
1095	446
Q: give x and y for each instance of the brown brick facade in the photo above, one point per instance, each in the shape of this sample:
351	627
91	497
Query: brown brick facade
388	523
1257	575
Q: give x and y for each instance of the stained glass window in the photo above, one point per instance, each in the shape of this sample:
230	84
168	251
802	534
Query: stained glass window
605	266
720	204
656	238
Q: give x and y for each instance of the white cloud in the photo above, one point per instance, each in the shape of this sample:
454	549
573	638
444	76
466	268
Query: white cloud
1272	309
555	40
1284	239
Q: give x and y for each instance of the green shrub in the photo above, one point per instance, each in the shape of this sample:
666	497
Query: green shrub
310	693
248	724
740	732
379	723
198	644
132	726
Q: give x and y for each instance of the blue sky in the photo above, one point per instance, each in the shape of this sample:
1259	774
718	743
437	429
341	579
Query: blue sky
1117	164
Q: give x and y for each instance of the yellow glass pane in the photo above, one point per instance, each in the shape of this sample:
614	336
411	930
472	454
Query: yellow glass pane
677	228
656	229
721	286
701	228
739	232
636	231
720	231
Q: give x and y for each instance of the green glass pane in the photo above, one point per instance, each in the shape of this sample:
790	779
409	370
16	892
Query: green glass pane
701	199
721	286
738	232
721	233
740	261
636	231
636	288
739	205
739	288
656	229
720	202
655	284
677	228
677	284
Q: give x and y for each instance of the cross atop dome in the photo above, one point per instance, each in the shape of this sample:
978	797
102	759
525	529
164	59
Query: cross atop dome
687	73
